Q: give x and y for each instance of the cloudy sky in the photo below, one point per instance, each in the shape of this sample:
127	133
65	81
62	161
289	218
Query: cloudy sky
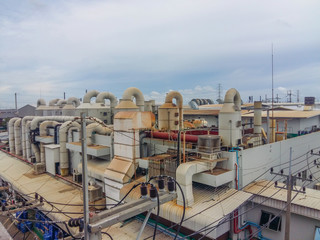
51	47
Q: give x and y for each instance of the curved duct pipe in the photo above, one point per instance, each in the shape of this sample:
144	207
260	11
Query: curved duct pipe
36	152
41	102
73	101
35	122
43	132
64	160
89	95
69	134
54	101
137	94
184	174
24	134
11	134
98	128
28	144
176	95
107	95
17	136
61	103
232	97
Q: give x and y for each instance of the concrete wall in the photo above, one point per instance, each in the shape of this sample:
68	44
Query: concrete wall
301	227
255	161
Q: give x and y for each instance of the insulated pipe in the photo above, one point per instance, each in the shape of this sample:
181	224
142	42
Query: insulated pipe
257	117
96	127
11	134
24	132
41	102
89	95
107	95
64	160
17	136
176	95
43	132
54	101
137	94
73	101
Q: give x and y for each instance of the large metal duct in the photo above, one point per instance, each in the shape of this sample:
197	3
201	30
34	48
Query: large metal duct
64	159
137	94
11	134
17	136
43	132
73	101
257	117
61	103
107	95
97	128
230	119
89	95
36	121
41	102
176	95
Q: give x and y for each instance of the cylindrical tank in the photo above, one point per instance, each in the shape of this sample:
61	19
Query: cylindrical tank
257	117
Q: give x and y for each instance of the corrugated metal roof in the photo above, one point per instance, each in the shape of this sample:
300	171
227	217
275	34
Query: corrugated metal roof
311	199
287	114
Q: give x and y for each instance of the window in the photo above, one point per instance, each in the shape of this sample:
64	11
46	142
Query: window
317	234
265	220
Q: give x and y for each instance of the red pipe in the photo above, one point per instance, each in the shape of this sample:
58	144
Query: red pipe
236	229
66	179
172	136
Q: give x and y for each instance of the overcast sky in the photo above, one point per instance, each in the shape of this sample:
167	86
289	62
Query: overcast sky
51	47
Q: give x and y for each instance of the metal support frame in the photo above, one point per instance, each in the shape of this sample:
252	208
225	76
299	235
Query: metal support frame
110	217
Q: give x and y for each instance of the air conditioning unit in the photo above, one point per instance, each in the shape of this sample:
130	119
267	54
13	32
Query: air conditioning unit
95	193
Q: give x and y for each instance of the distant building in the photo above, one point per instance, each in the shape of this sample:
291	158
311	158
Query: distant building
6	114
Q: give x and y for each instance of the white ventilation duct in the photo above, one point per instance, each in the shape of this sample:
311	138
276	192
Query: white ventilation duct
89	95
61	103
230	119
24	134
176	95
64	159
54	102
131	92
17	136
43	132
98	128
11	134
28	143
107	95
73	101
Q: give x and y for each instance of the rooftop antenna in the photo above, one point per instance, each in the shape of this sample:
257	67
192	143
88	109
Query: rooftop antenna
272	126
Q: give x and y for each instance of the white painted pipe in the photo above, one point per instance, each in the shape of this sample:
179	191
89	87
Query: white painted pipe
70	134
73	101
28	143
176	95
11	134
89	95
24	134
17	136
36	152
96	127
53	102
36	121
257	117
61	103
137	94
107	95
64	160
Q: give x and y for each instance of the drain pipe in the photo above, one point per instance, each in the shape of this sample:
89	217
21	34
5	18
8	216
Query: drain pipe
11	134
17	136
98	128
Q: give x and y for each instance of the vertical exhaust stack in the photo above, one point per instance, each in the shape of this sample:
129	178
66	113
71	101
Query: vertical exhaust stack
11	134
257	117
230	119
17	137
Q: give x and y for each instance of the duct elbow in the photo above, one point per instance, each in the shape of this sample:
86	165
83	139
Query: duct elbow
107	95
54	101
137	94
232	101
175	95
73	101
97	128
89	95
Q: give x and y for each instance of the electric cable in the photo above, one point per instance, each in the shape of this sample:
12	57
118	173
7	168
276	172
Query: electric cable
107	235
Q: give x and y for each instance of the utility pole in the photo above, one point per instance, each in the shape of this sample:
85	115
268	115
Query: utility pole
289	187
64	95
15	100
298	96
289	193
84	176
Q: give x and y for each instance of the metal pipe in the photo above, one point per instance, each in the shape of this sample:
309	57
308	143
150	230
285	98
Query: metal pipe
172	135
144	224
